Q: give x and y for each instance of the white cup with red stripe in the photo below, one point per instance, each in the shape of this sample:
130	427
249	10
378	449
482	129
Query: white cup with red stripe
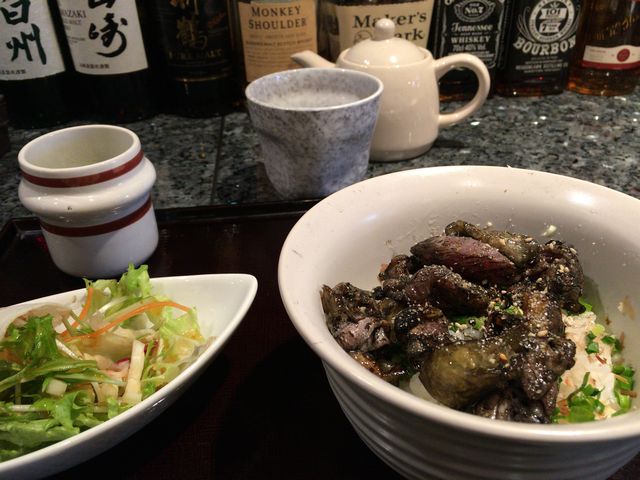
90	188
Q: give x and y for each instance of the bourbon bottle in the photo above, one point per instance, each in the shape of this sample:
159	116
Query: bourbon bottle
477	27
539	47
607	56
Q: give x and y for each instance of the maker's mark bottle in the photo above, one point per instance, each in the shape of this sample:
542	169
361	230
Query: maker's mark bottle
607	55
344	23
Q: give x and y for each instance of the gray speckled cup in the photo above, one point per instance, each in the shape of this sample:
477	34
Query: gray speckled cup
315	127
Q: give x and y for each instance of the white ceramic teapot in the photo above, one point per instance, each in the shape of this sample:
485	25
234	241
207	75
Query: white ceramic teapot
410	117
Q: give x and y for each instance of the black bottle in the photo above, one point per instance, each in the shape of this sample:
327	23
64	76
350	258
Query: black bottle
35	71
197	57
108	51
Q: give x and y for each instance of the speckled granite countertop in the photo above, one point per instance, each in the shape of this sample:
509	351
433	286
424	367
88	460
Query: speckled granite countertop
217	160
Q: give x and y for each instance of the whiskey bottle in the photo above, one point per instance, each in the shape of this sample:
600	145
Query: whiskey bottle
607	56
344	23
539	45
34	76
108	51
467	26
197	56
271	31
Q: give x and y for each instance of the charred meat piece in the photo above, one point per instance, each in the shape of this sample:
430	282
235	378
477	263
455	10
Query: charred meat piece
542	313
400	266
439	286
460	374
509	404
471	258
541	363
380	364
520	249
558	271
365	335
355	318
420	330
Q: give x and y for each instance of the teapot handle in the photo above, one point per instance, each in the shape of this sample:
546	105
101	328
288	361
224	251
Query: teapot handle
477	66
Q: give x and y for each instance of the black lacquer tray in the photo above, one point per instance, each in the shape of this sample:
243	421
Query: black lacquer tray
263	409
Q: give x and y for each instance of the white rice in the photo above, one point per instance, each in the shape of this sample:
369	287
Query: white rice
598	365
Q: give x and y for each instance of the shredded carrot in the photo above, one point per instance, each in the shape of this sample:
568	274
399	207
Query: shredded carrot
87	304
83	313
128	315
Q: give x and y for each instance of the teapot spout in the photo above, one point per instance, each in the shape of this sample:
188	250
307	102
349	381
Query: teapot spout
307	58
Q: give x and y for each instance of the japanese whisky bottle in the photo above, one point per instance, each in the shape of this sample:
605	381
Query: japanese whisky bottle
344	23
197	53
539	45
268	32
108	51
477	27
607	56
34	74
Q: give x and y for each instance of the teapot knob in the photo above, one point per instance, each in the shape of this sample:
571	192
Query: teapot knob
384	29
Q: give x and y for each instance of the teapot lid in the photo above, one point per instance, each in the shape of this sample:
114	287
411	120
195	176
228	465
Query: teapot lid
384	49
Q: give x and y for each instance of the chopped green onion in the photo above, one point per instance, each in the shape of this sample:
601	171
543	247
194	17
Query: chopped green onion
593	347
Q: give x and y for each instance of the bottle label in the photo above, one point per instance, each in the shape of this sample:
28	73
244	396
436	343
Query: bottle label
469	26
196	39
28	43
350	24
622	57
272	32
104	36
544	37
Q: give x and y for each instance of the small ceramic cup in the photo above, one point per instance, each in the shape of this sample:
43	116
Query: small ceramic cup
90	188
315	128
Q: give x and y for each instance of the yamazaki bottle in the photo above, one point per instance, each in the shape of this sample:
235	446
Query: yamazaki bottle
35	77
108	51
539	47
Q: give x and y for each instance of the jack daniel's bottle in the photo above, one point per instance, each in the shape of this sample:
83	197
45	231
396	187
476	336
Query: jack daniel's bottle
539	47
346	22
477	27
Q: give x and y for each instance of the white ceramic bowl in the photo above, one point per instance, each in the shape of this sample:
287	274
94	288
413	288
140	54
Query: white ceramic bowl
348	235
222	300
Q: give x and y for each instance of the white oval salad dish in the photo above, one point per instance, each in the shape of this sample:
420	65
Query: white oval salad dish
220	302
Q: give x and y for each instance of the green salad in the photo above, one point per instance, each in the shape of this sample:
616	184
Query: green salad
64	370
